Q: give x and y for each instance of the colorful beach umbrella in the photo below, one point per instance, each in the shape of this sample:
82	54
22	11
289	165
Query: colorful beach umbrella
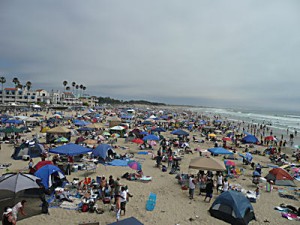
229	163
226	139
61	140
270	138
134	165
137	141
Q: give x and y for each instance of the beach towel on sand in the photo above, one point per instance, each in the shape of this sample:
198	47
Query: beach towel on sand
151	202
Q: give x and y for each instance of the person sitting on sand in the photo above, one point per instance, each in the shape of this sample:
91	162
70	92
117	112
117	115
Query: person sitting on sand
7	218
138	174
64	195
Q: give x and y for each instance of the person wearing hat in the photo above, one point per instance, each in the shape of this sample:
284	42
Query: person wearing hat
7	218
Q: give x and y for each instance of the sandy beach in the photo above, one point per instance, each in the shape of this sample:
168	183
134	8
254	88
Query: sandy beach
173	204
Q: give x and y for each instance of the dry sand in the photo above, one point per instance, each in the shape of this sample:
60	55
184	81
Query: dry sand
173	205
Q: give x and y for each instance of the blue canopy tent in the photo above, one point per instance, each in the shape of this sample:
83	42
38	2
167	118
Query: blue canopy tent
250	139
128	221
103	151
46	173
232	207
70	149
219	151
180	132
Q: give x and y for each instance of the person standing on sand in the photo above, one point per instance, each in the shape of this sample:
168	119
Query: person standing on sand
118	207
209	190
219	181
192	185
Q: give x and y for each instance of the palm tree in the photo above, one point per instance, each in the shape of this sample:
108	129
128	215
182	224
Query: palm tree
65	83
77	86
81	86
17	85
2	81
73	85
28	86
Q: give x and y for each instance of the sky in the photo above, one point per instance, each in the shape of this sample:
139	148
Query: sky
221	53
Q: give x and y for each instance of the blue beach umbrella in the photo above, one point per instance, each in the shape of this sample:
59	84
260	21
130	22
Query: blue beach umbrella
180	132
151	137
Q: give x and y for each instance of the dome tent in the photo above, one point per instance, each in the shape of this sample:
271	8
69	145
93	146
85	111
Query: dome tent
232	207
31	148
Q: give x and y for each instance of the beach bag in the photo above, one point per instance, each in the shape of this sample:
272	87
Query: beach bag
85	208
164	169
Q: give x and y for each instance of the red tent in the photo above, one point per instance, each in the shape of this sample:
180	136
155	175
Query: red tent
280	177
42	163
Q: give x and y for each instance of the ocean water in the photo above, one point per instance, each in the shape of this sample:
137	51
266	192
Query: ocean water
280	122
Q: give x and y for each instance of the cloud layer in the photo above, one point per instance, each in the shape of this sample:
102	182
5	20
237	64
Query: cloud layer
215	53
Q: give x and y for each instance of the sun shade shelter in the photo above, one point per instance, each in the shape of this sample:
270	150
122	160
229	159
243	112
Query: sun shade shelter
56	132
207	163
103	151
232	207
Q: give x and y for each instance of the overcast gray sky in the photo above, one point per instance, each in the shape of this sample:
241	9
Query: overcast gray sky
213	53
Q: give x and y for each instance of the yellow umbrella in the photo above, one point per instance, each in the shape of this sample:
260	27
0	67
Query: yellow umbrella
212	135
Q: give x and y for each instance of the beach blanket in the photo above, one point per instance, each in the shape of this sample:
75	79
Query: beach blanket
118	162
292	197
71	205
142	153
290	216
145	179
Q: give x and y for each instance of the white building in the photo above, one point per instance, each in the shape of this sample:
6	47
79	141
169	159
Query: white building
18	95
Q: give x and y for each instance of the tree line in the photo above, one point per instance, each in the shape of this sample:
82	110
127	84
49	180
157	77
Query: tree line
112	101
